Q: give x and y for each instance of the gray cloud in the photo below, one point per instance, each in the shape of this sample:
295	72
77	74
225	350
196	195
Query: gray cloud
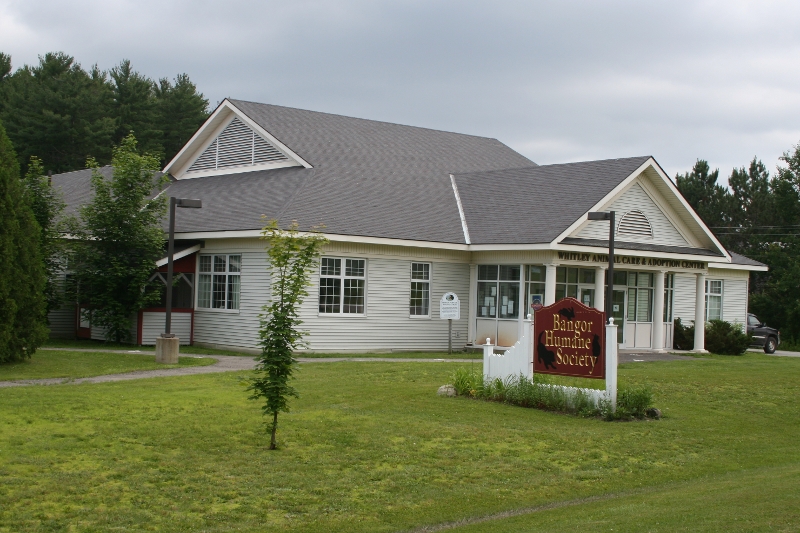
558	81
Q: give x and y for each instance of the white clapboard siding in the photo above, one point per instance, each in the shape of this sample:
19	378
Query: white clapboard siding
685	285
635	198
237	328
734	301
387	325
153	326
62	322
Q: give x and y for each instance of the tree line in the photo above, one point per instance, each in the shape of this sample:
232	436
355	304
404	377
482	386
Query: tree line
63	114
757	215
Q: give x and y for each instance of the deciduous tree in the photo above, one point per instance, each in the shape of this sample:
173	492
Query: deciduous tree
292	257
121	238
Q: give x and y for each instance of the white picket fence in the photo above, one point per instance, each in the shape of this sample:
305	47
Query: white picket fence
519	360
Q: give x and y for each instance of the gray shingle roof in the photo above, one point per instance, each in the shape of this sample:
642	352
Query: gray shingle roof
369	178
739	259
535	204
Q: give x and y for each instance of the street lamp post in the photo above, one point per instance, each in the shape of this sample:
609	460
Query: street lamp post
167	343
610	216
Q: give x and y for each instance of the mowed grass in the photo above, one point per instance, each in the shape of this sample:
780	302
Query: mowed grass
69	364
370	447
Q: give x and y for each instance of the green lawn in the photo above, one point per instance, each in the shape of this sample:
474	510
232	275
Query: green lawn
67	364
370	447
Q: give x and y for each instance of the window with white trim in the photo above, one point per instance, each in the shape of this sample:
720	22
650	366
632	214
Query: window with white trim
218	282
713	299
342	286
419	303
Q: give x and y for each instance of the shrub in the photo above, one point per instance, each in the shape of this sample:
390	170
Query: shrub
632	402
726	338
683	336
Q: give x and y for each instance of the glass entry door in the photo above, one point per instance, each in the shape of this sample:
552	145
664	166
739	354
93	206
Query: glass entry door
618	313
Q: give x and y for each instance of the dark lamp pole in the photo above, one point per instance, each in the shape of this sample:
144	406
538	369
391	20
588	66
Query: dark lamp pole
174	202
610	215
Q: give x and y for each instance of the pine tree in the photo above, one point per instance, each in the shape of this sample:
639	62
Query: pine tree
707	197
181	111
47	205
22	278
135	108
59	112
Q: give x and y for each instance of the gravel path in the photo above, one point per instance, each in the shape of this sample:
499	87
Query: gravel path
233	363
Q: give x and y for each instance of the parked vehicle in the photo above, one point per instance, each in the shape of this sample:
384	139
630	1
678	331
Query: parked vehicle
763	335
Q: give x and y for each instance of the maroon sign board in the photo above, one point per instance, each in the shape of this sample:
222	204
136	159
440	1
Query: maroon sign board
569	339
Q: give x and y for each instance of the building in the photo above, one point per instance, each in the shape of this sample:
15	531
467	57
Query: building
413	213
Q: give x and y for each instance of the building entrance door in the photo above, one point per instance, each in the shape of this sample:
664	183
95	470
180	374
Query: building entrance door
618	314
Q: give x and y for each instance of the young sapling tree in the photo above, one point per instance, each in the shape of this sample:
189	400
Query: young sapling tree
292	257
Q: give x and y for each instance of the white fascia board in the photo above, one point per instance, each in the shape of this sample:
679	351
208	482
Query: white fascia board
616	190
210	122
461	214
213	125
734	266
268	136
239	170
178	255
255	233
506	247
607	198
668	182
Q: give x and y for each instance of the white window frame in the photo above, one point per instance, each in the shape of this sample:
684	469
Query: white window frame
342	277
413	280
227	274
721	296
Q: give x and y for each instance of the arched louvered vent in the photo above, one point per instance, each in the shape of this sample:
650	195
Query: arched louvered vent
236	146
634	223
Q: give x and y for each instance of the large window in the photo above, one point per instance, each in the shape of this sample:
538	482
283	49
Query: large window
713	299
342	285
498	291
640	297
575	283
419	303
535	276
219	281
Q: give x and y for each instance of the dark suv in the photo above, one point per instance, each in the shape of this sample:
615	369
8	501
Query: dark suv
763	336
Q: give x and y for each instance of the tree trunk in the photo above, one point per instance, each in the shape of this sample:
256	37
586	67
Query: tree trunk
272	445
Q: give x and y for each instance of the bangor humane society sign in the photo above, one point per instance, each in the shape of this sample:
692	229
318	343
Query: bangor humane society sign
569	340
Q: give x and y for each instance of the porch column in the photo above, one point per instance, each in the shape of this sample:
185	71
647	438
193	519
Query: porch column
550	284
700	314
658	311
600	288
523	305
471	302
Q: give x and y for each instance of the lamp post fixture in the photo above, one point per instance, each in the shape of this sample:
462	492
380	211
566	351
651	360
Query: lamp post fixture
610	216
173	203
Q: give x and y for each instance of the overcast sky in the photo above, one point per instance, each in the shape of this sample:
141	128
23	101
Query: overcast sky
558	81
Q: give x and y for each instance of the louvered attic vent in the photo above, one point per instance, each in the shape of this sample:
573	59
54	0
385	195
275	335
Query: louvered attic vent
236	146
634	223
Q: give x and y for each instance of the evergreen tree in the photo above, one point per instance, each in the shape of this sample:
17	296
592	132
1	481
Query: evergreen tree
181	111
47	205
708	198
135	108
121	239
59	112
752	209
22	278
